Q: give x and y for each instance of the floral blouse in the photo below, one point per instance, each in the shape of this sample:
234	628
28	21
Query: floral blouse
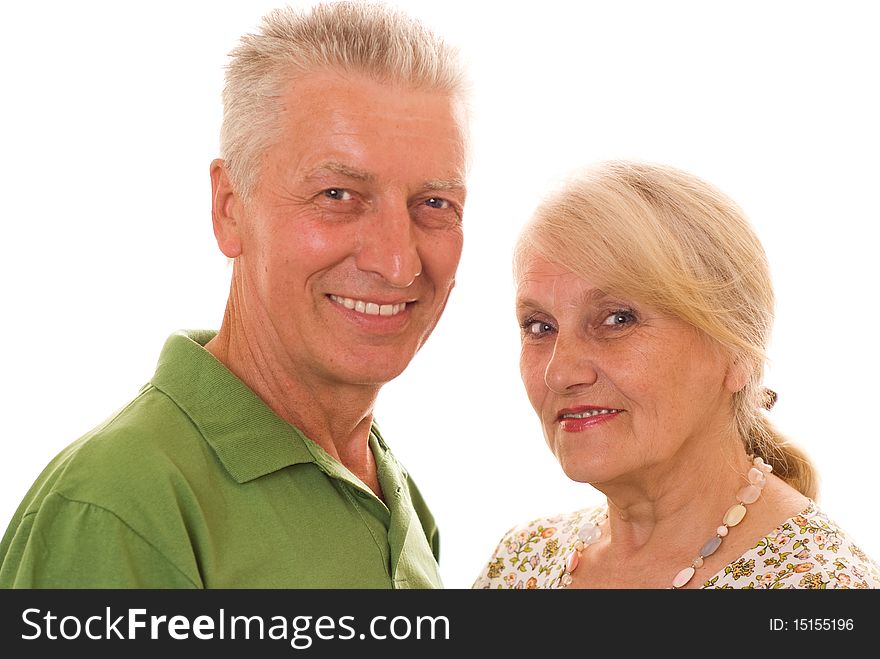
807	551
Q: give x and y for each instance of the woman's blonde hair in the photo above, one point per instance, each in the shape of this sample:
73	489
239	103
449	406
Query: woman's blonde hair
363	38
664	237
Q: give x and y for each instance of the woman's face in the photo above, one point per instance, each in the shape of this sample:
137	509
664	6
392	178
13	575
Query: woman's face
618	386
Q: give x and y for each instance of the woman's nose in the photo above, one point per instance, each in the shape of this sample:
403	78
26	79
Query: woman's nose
571	366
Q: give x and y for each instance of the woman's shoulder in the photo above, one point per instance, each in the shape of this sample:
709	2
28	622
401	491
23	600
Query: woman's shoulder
533	554
807	551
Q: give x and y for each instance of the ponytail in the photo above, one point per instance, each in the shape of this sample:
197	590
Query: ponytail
789	462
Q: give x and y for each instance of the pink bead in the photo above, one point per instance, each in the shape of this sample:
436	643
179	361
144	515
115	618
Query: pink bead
573	562
722	531
749	494
757	477
683	577
698	562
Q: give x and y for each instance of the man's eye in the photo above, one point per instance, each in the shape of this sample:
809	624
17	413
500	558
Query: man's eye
437	202
337	194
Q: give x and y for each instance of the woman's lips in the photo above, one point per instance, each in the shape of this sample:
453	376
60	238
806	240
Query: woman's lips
577	419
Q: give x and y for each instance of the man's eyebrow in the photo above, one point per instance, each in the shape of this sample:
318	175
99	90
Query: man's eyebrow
445	184
342	169
361	175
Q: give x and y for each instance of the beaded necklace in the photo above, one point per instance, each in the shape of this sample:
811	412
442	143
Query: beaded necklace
757	476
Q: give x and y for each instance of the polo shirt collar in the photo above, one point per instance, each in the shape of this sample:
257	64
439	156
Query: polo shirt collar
406	536
251	441
248	437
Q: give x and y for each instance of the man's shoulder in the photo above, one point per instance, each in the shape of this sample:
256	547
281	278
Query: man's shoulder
128	455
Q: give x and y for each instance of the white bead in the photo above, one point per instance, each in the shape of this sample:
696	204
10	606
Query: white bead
734	515
722	531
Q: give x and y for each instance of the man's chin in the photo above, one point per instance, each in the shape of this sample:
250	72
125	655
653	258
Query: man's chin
375	372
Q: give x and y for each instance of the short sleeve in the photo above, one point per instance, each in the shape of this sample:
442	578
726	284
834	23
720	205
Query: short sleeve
72	544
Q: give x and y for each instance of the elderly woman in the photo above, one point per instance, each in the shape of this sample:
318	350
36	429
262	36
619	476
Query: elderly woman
645	304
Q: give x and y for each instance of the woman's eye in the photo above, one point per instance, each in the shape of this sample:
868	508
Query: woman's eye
337	194
437	202
536	327
619	318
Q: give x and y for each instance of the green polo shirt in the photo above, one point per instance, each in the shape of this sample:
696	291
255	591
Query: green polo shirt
197	484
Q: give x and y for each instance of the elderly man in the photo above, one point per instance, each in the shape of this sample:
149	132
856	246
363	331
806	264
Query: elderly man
251	458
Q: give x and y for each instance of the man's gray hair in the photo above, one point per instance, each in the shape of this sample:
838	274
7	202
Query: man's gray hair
350	37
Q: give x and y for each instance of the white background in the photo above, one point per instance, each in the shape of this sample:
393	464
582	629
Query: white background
109	118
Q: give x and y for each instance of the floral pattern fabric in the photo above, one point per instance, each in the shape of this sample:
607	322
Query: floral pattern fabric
806	551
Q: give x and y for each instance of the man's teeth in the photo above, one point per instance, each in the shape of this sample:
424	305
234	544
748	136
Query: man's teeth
369	308
584	415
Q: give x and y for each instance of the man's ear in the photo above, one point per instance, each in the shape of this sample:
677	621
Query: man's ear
226	210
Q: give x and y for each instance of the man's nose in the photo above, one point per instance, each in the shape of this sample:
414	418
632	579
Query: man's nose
388	246
571	366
